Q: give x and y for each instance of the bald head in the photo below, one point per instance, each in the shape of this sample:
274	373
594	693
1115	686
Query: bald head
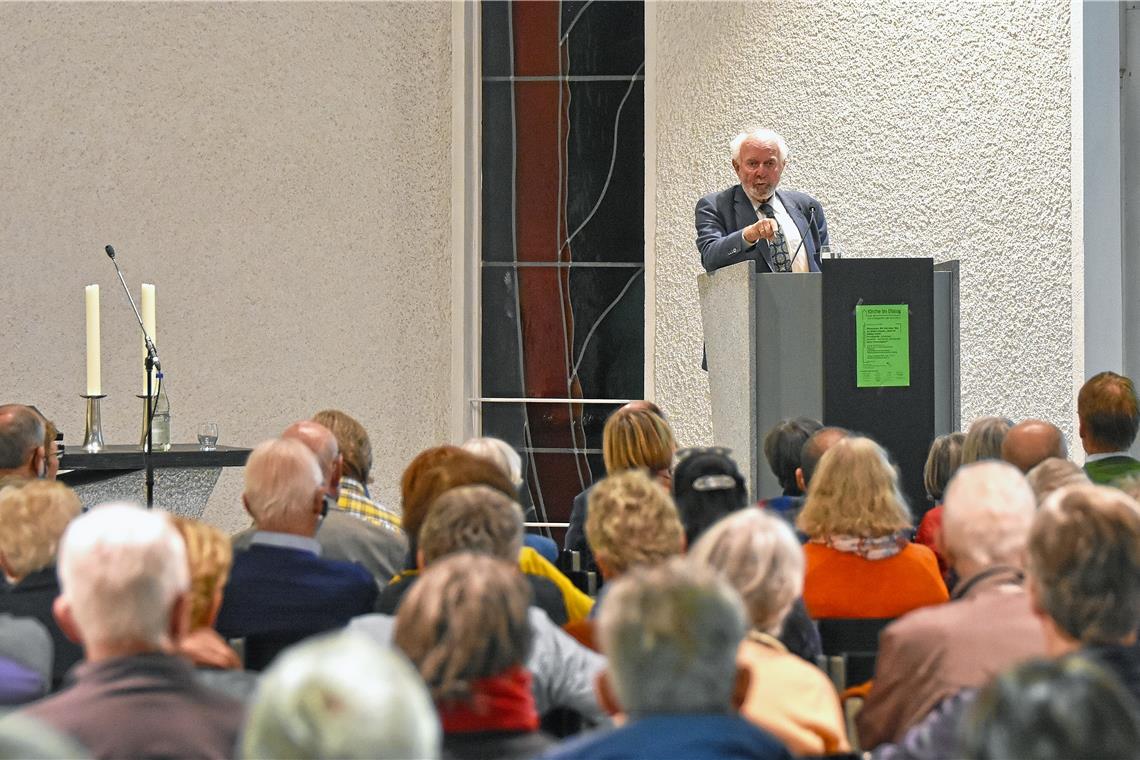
814	449
321	441
1031	442
21	441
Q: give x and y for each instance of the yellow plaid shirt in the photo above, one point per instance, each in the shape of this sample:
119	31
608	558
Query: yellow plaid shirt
353	498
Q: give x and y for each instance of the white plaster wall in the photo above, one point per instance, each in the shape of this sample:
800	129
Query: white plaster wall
279	171
925	129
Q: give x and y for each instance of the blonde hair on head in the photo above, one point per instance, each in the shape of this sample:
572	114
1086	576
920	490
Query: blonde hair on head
33	517
210	556
855	492
635	437
631	520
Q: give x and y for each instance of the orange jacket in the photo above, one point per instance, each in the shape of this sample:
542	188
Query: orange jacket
844	585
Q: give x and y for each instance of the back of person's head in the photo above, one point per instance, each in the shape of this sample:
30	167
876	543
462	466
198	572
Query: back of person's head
1052	710
282	481
984	439
472	519
855	492
631	520
1030	442
707	485
352	440
341	696
210	556
501	453
453	469
986	516
1108	412
1084	563
121	570
21	439
760	557
782	448
323	445
465	619
816	446
33	517
636	437
671	633
943	460
1055	473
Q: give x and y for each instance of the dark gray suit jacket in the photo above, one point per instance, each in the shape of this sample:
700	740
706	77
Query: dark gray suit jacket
722	216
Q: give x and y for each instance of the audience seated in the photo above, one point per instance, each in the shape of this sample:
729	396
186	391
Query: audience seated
859	561
930	654
759	556
352	495
124	594
984	439
341	695
671	633
434	472
1108	418
941	463
1061	710
1031	442
281	590
707	485
25	660
22	451
508	460
33	517
783	446
465	627
1053	474
480	519
632	521
1083	579
209	558
473	519
634	437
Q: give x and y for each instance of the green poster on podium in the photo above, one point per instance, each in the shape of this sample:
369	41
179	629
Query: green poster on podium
882	346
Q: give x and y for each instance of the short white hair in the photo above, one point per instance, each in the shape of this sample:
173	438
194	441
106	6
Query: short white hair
345	696
671	633
762	135
987	513
281	478
121	569
501	453
758	554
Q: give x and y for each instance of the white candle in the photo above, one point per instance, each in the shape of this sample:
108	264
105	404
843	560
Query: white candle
147	308
94	362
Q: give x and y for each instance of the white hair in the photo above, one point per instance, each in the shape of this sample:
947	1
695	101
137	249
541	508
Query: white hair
121	569
501	453
986	514
281	478
761	135
671	633
341	696
758	554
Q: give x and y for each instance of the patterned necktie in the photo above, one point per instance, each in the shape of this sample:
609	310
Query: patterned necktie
779	243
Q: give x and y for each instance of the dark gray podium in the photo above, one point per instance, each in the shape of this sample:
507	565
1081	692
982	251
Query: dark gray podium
184	475
784	345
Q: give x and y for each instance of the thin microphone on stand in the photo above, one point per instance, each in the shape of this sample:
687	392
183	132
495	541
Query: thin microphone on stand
811	226
149	343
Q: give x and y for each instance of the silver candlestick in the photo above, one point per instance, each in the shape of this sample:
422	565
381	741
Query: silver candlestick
93	424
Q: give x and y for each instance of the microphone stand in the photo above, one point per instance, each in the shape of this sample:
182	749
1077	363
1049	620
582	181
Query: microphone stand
151	363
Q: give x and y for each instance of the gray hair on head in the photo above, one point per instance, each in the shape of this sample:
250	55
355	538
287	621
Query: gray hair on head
671	633
21	433
758	554
762	135
501	453
344	696
987	513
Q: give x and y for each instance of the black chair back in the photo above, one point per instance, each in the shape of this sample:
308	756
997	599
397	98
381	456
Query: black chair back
856	640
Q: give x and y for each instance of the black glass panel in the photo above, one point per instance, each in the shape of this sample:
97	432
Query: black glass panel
496	38
498	173
606	37
610	359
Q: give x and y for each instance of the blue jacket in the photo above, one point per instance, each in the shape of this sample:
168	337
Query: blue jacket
722	216
693	737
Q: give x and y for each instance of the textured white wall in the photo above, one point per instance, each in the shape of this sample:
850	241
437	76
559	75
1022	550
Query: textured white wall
281	173
925	129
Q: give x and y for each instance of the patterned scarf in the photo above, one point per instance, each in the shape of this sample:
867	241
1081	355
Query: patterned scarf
880	547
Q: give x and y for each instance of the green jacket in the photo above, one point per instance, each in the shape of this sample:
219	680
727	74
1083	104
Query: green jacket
1106	471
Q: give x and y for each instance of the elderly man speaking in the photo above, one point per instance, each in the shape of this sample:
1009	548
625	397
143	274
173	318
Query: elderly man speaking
781	230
